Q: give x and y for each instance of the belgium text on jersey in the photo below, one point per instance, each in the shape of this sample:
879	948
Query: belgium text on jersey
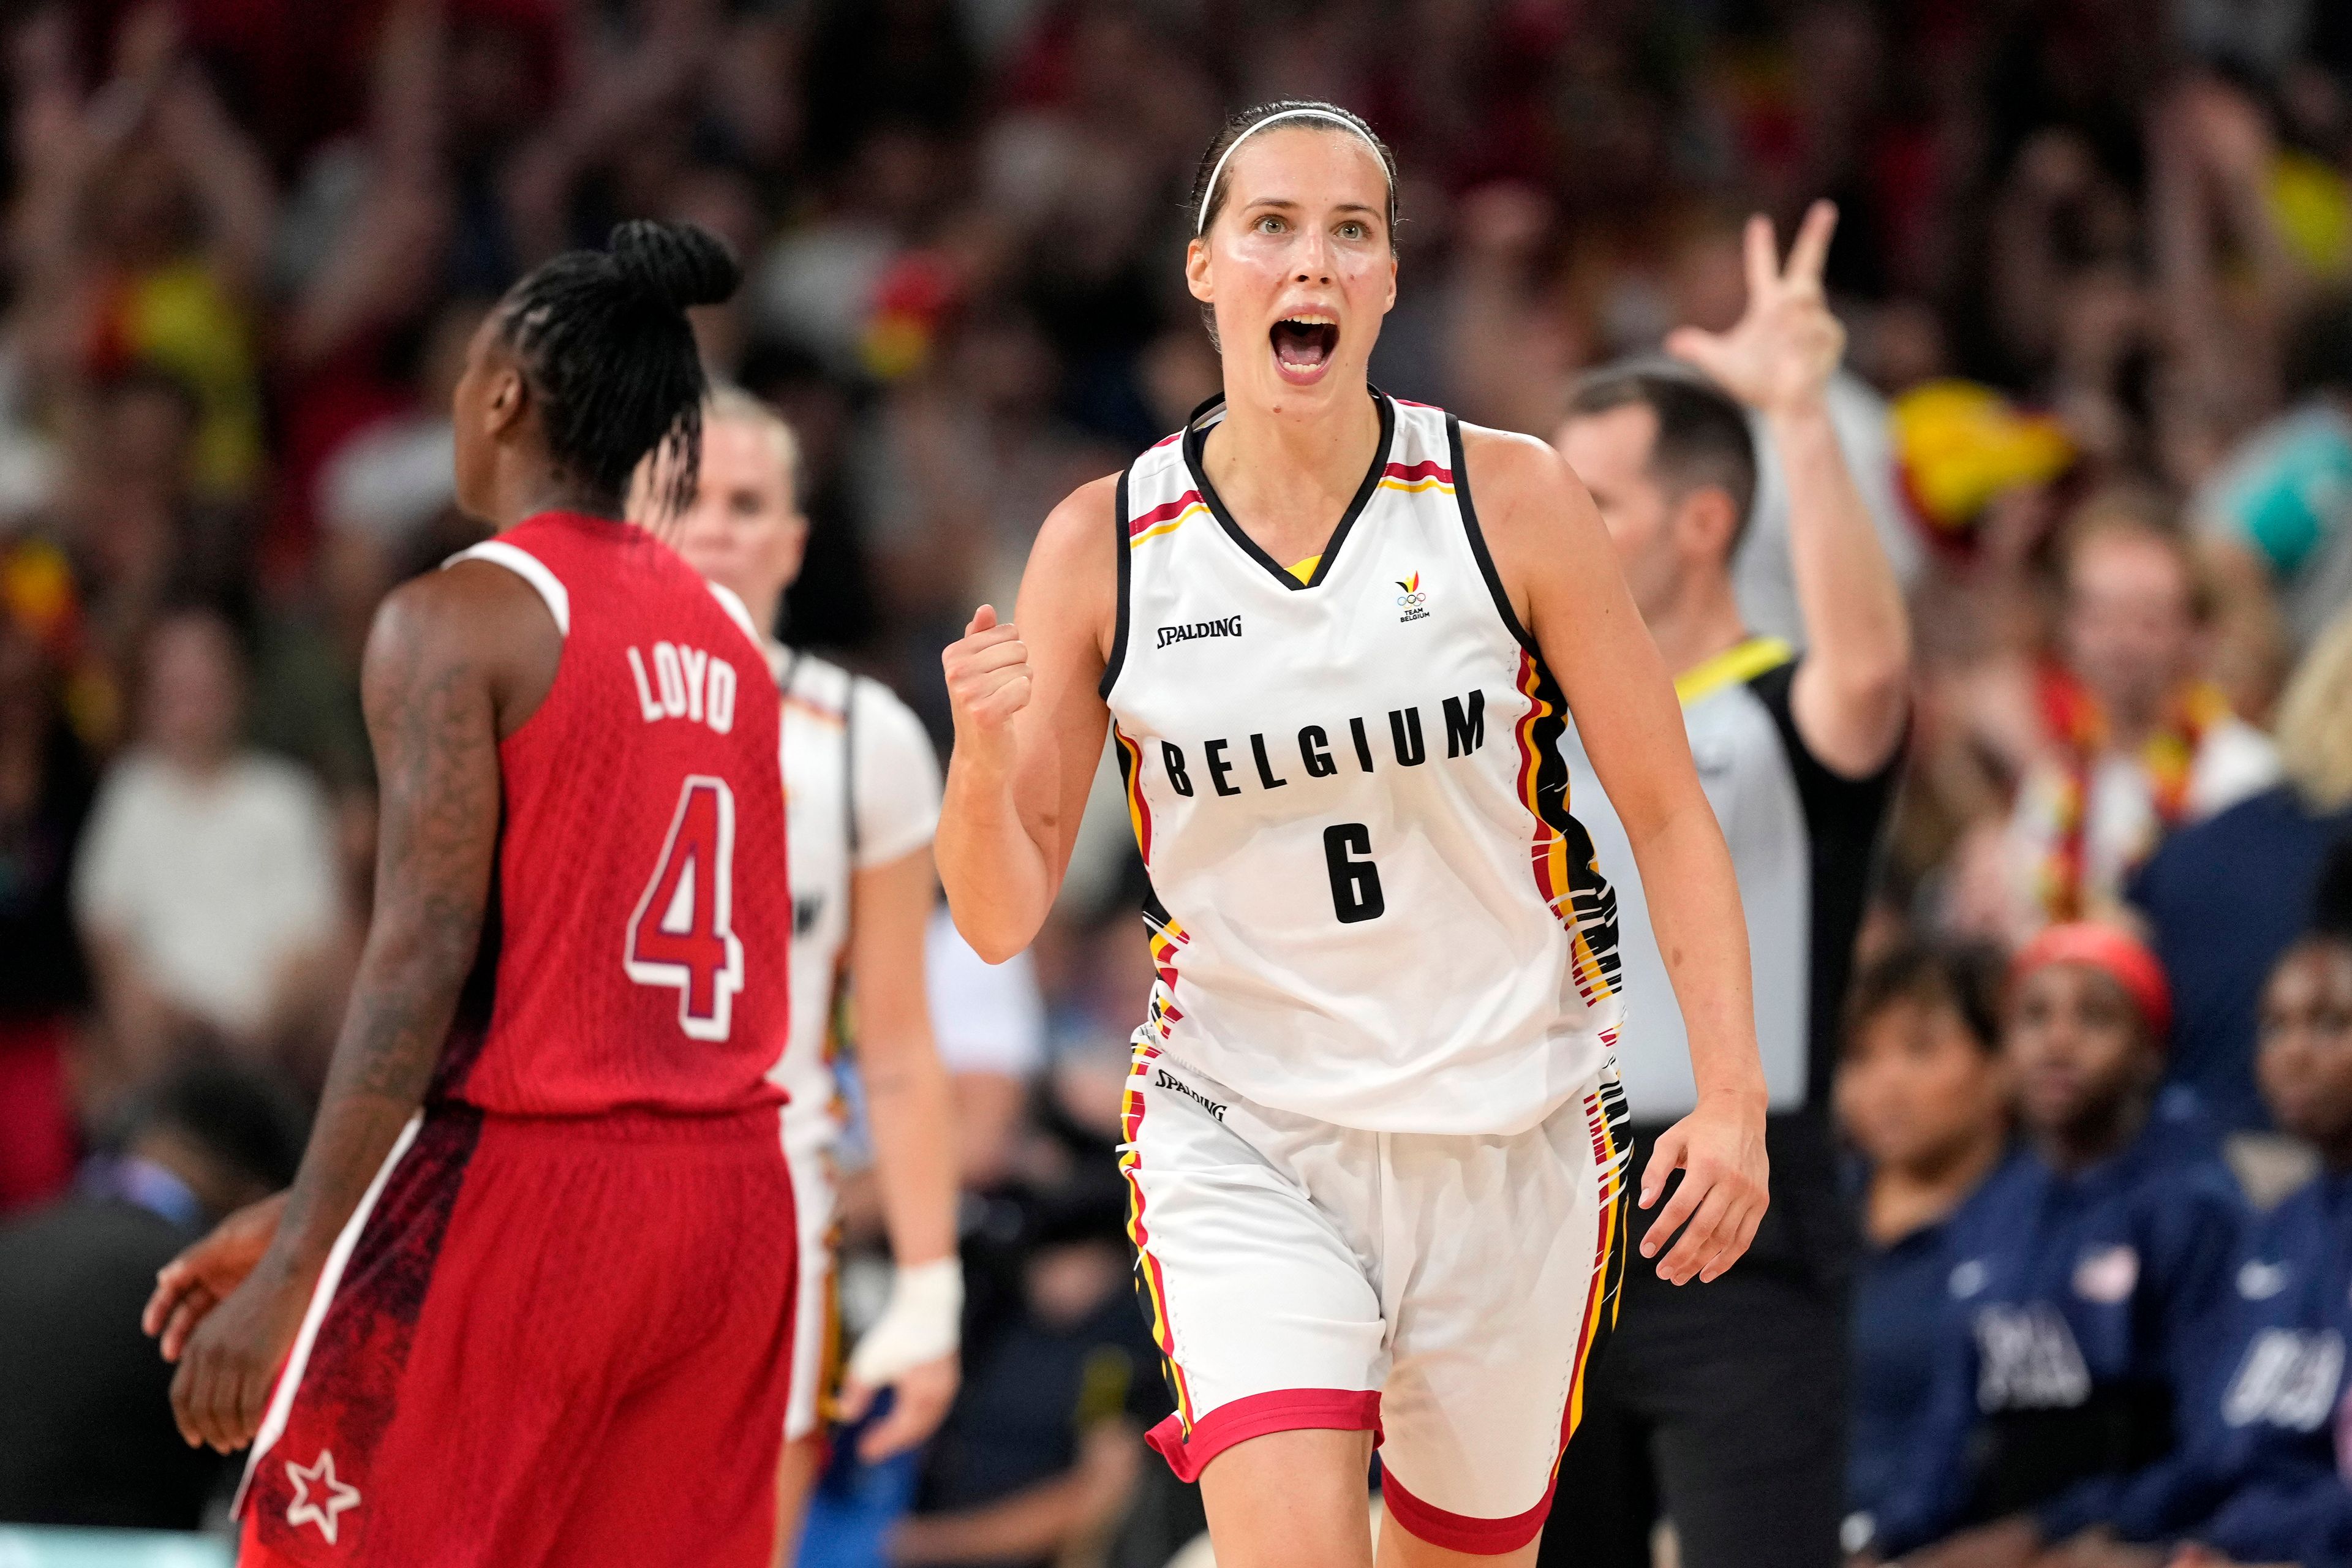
1223	626
1318	756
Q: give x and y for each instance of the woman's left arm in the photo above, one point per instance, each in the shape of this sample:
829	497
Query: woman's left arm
1557	564
913	1347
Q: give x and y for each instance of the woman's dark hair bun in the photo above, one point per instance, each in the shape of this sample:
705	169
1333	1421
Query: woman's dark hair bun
611	358
678	263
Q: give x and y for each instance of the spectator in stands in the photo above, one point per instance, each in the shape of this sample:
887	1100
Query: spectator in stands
146	217
1037	1457
1923	1095
2085	1284
206	885
2137	745
990	1023
2225	897
2276	517
86	1430
2256	1479
45	792
383	487
127	514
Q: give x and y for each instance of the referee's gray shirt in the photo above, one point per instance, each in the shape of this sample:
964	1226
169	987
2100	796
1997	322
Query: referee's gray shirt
1802	838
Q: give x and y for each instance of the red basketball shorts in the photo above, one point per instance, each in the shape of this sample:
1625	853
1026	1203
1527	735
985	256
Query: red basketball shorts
541	1342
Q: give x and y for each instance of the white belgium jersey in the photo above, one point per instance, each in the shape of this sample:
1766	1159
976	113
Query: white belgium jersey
861	789
1372	905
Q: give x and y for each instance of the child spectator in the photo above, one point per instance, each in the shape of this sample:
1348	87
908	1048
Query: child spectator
1923	1095
2086	1281
2283	1408
2258	1477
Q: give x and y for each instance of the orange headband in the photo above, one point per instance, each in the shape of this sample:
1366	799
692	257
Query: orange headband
2112	952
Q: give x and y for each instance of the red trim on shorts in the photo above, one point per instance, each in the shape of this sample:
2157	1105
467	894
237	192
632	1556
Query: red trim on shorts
1282	1410
1460	1531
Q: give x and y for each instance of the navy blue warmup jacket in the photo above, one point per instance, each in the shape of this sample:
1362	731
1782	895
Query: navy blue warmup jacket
2257	1475
2081	1311
1901	1297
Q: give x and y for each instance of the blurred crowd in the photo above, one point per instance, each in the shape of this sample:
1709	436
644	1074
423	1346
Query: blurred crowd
2095	260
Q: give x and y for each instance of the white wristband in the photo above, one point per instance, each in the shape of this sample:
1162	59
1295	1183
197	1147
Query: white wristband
923	1323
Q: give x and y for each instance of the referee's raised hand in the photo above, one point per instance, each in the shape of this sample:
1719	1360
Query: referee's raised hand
1782	351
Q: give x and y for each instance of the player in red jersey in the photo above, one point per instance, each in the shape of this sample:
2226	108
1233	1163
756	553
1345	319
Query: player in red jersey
545	1317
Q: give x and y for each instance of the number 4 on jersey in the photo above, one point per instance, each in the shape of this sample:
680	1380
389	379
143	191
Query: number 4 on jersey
681	933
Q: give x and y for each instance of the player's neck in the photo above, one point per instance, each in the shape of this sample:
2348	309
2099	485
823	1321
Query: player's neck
1284	476
526	490
2131	725
764	611
1907	1199
198	765
1700	621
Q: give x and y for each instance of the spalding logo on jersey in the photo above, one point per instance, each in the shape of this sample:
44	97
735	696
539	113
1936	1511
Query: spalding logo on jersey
1223	626
687	683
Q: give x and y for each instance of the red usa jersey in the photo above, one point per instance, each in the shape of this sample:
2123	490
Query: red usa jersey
637	950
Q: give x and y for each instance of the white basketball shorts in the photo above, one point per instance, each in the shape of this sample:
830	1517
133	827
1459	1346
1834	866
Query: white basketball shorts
816	1318
1443	1293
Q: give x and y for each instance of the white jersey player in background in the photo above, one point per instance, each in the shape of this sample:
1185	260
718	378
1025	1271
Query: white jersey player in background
861	795
1373	1120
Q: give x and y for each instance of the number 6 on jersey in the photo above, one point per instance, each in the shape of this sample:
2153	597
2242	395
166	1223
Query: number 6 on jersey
681	933
1355	880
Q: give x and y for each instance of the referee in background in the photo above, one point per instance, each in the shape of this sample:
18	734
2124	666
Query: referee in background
1723	1405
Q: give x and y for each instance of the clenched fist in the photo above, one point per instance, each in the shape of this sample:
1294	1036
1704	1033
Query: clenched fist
988	682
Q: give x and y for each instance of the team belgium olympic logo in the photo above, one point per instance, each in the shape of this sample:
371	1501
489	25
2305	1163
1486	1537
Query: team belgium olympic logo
1413	605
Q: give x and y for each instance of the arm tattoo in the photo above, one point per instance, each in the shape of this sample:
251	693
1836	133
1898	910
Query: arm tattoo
433	725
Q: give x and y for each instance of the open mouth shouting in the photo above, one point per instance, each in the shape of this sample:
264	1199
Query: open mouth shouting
1303	346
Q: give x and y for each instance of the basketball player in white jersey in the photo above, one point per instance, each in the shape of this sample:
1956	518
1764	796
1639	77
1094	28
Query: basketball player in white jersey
861	796
1373	1118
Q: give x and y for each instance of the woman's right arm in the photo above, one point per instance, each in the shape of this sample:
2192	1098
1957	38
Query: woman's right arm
1029	729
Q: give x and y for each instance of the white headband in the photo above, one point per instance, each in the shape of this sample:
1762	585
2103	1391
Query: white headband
1209	190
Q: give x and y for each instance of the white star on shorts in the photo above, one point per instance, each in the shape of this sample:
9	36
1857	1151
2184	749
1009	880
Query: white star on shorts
334	1495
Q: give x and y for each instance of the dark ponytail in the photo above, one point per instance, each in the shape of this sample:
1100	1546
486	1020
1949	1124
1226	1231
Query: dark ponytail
604	339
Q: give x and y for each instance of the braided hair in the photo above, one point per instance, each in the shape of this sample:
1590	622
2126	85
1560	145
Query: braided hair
604	345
